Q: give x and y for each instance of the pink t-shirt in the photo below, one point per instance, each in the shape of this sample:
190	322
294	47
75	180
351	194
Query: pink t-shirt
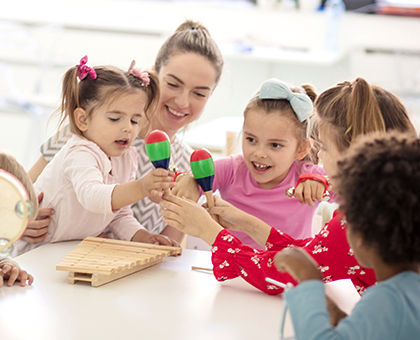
236	185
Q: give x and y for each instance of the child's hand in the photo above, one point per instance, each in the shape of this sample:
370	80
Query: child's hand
298	263
309	191
145	237
155	181
12	272
187	187
336	314
230	217
188	217
37	230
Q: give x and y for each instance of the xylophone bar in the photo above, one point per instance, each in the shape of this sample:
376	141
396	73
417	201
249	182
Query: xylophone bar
99	260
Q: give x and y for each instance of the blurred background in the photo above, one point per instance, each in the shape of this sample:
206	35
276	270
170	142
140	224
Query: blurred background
296	41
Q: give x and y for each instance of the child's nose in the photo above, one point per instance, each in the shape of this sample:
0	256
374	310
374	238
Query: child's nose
182	100
260	153
127	127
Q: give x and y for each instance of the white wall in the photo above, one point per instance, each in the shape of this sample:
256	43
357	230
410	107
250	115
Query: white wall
115	32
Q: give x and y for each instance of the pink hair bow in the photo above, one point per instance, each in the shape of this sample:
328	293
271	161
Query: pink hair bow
144	76
84	70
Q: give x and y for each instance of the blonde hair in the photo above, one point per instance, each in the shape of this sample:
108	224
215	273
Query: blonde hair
284	109
191	37
350	109
90	94
9	164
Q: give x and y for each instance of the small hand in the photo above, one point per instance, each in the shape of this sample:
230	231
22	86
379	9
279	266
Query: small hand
298	263
230	217
145	237
188	217
36	231
187	187
336	314
309	191
155	181
12	273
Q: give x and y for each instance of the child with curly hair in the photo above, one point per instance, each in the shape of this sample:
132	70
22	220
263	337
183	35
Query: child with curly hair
380	199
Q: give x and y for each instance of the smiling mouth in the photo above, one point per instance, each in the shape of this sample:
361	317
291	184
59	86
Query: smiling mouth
260	167
176	113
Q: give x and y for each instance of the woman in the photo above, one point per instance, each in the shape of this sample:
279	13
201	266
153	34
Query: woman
189	65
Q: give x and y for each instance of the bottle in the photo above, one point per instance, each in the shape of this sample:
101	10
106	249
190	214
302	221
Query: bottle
334	10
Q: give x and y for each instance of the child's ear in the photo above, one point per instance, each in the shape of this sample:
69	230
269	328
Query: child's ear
81	119
304	148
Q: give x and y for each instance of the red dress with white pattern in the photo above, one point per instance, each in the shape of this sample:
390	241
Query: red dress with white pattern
329	248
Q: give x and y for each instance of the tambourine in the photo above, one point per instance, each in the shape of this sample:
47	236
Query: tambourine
15	211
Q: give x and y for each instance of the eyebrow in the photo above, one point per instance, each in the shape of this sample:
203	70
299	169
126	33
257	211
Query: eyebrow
270	140
123	113
180	81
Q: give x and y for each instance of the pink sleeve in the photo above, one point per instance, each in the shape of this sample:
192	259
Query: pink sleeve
81	168
125	225
304	167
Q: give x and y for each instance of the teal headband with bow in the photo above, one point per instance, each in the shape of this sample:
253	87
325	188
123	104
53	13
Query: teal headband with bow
276	89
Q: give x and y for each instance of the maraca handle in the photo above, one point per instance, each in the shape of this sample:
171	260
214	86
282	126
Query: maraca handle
210	203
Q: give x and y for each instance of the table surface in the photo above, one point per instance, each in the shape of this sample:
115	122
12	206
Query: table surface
167	301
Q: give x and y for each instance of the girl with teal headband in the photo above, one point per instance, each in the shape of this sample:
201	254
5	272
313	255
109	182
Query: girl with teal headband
276	148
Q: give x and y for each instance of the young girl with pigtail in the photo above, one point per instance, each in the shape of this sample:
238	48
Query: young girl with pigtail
277	152
91	183
344	112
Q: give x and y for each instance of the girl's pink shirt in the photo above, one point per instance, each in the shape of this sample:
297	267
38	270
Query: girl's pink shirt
236	185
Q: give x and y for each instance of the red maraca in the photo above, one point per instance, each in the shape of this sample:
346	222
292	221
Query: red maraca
158	148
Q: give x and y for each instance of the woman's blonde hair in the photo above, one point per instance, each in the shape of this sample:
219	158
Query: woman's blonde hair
191	37
350	109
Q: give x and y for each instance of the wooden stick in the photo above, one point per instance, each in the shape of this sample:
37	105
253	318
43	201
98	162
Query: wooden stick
202	268
210	203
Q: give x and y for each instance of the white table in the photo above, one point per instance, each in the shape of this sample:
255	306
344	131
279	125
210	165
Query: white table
168	301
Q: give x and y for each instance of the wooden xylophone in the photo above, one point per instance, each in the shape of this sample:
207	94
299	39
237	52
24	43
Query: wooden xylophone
101	260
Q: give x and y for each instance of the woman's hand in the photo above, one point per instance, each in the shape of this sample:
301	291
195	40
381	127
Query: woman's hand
11	272
36	231
298	263
309	191
188	217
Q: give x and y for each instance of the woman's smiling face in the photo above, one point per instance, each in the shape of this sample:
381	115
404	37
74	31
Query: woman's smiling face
186	82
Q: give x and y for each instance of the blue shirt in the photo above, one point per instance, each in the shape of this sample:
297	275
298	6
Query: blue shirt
388	310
